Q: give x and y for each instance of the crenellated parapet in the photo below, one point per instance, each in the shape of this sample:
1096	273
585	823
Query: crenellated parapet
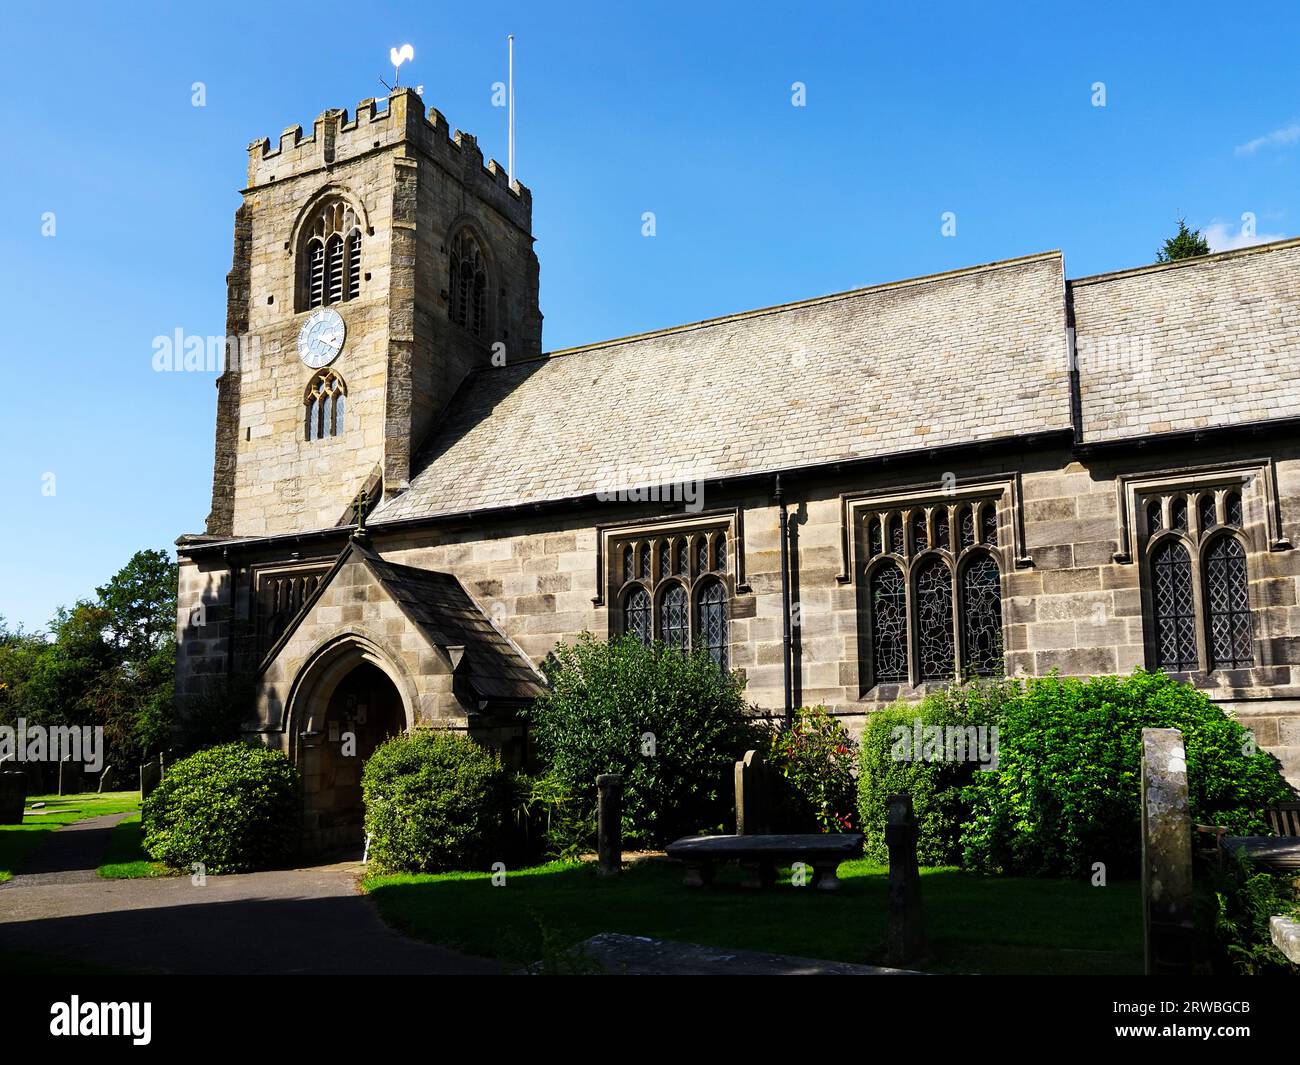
336	138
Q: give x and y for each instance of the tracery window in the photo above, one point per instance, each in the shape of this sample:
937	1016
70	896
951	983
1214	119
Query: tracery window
933	607
331	259
326	406
683	599
468	281
1197	583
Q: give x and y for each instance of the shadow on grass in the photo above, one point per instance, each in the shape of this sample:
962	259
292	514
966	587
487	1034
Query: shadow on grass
20	844
976	924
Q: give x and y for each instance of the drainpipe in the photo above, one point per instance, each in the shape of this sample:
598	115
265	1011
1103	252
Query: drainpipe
785	603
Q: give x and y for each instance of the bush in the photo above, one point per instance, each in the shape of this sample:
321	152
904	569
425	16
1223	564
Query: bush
550	821
672	724
434	801
814	758
234	808
1234	906
1067	791
936	785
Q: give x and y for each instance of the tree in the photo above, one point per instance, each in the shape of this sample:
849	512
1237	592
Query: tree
1185	244
140	599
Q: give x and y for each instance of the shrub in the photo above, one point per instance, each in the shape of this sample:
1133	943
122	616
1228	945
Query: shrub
233	807
814	758
1234	906
936	785
434	801
1067	791
549	820
672	724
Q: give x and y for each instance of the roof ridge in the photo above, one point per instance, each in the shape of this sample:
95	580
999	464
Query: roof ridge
1195	260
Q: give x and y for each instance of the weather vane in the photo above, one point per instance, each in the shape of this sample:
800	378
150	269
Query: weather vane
401	55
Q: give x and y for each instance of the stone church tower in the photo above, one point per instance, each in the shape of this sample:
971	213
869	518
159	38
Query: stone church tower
386	233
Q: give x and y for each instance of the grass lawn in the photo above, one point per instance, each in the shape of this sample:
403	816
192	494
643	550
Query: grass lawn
976	924
125	859
17	842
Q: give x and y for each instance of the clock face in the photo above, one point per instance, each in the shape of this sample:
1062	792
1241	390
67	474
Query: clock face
321	338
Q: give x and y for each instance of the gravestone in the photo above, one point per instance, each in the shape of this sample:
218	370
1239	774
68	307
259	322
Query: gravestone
106	779
1168	928
905	939
609	826
13	795
72	777
751	795
150	775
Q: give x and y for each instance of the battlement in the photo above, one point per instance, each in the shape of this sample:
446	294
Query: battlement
335	140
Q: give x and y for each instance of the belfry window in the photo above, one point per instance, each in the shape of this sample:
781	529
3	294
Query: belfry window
468	284
674	587
330	269
1197	586
326	406
932	608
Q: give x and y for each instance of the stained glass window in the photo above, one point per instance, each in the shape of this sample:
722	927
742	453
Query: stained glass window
1232	508
1174	608
920	540
1228	605
1205	512
966	519
981	596
1178	513
875	541
941	533
674	618
629	564
888	624
934	620
896	535
711	624
989	514
636	615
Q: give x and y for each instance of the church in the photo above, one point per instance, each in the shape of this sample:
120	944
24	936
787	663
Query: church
851	499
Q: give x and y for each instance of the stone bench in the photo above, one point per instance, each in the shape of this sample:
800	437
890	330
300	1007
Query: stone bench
759	856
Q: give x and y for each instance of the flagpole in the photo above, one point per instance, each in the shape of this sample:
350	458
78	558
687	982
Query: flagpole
510	151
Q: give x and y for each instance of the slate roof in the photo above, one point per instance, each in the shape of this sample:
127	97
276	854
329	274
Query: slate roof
973	355
1196	344
492	666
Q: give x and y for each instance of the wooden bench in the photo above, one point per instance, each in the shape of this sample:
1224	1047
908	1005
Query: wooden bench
759	856
1280	851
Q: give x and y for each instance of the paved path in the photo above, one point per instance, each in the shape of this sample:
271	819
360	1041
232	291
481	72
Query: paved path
288	921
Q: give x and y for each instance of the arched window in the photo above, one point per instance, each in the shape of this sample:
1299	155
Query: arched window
675	588
888	624
674	618
1173	607
1228	632
326	403
990	516
896	544
1232	508
1205	513
875	543
966	522
920	540
331	259
934	620
711	624
1155	517
636	614
981	616
468	279
1178	513
941	533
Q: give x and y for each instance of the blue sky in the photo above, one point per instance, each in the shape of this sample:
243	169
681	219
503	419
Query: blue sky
684	110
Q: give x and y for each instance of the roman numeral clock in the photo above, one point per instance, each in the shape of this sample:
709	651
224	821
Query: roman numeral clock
321	338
